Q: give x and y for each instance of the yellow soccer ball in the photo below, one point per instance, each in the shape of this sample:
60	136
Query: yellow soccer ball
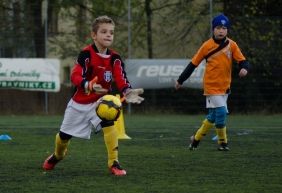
109	108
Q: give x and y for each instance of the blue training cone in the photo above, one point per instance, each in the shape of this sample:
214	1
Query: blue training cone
215	138
5	138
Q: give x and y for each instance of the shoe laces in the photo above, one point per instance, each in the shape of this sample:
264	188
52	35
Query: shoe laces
53	160
116	165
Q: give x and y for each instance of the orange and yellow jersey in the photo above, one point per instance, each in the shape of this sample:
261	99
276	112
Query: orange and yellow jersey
217	76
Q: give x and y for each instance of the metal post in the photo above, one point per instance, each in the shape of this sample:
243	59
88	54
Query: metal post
129	42
129	29
46	51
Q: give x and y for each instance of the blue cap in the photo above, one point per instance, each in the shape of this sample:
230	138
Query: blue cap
220	20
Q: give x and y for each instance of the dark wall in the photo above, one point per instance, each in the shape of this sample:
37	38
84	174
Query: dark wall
32	102
184	101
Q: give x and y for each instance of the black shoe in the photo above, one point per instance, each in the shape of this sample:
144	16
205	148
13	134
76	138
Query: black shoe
194	143
223	147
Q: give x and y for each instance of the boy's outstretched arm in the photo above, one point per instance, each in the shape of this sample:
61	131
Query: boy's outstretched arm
185	75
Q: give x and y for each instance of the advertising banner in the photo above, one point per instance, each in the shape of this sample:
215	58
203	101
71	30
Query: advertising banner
30	74
161	73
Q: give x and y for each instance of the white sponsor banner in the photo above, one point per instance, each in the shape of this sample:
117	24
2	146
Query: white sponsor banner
30	74
161	73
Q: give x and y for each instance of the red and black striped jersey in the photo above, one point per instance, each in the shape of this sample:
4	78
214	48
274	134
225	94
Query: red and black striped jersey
107	67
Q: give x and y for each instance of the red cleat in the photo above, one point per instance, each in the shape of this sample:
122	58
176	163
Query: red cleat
50	162
117	170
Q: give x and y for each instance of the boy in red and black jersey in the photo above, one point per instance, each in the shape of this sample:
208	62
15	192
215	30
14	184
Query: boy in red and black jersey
92	75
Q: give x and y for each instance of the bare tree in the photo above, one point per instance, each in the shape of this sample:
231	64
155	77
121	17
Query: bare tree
22	29
38	27
148	11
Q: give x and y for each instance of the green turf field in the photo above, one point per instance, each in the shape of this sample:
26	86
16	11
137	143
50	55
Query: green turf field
156	158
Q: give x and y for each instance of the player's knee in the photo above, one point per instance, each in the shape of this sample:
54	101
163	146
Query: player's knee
105	123
109	128
220	118
211	115
64	136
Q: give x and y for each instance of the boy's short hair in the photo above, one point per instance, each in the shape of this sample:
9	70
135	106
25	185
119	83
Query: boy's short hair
220	20
99	20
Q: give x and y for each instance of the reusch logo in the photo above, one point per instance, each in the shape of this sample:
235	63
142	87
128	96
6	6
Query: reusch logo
159	70
167	71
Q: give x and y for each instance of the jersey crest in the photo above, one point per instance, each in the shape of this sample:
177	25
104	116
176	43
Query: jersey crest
229	54
107	76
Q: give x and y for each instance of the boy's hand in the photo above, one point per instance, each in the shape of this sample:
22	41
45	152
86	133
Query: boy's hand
98	89
94	87
132	95
243	72
177	85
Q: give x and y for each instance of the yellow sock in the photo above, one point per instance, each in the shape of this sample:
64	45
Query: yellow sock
203	130
60	147
221	134
111	141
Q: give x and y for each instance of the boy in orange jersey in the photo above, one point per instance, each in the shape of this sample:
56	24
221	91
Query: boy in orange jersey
219	53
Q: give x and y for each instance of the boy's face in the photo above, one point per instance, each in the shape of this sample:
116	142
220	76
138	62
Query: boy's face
104	36
220	32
